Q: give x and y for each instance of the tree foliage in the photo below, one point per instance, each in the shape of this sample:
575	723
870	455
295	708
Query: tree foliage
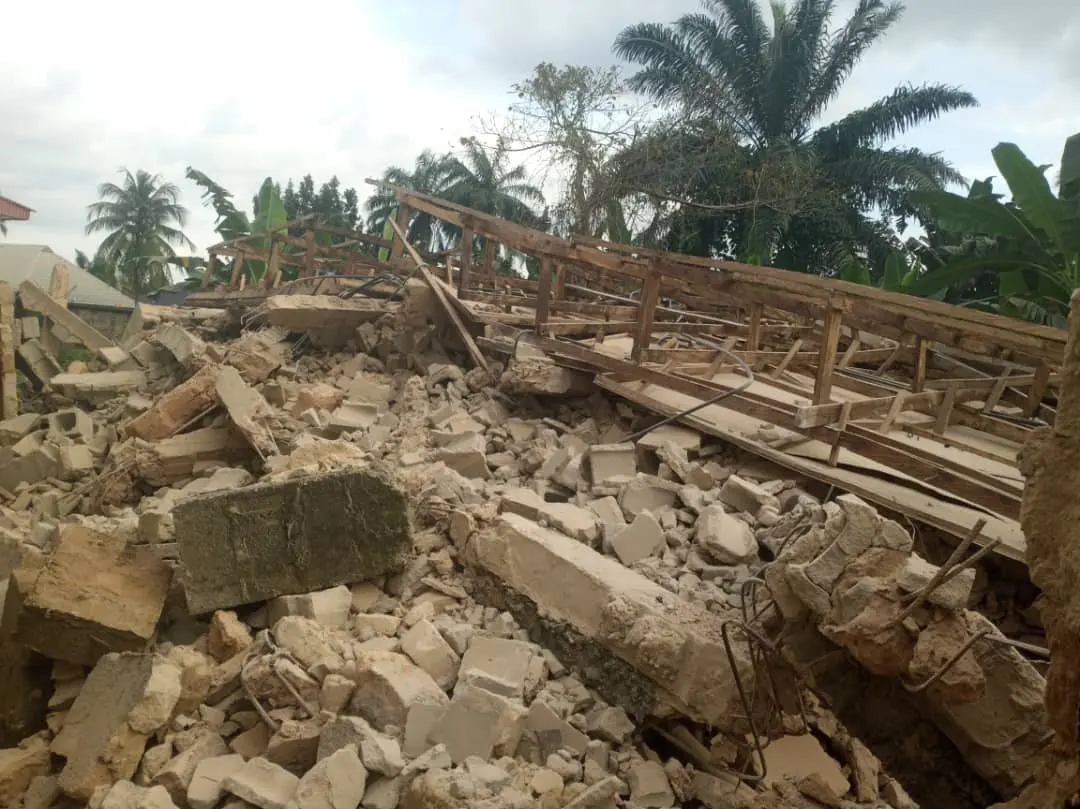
1019	257
143	221
332	204
744	93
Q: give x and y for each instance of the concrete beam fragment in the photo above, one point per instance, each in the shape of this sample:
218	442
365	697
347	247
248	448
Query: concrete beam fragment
301	534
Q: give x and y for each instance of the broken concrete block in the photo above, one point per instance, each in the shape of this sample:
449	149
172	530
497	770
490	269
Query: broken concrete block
336	782
262	783
612	460
498	665
178	775
639	540
552	731
96	388
649	786
742	495
30	328
126	698
574	521
178	407
71	423
319	396
41	463
247	409
479	723
647	493
117	359
96	594
427	649
353	416
207	783
421	719
76	460
687	439
39	363
328	607
126	795
294	744
186	348
302	534
21	765
13	429
387	685
524	502
671	648
465	455
952	595
724	537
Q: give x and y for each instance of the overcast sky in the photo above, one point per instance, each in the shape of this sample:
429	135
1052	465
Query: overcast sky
242	90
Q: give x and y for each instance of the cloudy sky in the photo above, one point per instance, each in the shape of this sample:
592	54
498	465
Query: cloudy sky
348	87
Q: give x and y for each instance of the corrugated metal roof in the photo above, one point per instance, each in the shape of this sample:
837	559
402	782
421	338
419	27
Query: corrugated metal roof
10	209
35	262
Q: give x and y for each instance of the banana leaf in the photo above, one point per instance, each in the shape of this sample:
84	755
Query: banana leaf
387	233
1031	193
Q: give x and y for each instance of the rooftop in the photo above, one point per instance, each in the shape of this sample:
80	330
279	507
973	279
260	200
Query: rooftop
35	262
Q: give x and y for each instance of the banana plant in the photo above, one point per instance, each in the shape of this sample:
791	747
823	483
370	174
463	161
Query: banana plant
1030	244
901	271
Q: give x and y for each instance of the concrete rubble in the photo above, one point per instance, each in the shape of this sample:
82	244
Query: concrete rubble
362	575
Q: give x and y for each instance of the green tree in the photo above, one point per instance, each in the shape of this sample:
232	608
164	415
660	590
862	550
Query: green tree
432	175
98	266
750	92
332	204
143	220
1019	257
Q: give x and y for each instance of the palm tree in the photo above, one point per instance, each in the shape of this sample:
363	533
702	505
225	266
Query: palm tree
98	266
432	175
143	219
764	88
483	180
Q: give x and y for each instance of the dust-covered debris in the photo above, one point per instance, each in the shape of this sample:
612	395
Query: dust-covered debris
345	571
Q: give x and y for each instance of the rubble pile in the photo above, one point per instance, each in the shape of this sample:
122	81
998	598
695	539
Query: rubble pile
242	578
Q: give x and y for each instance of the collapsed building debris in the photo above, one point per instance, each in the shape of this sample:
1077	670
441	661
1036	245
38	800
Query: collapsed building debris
323	565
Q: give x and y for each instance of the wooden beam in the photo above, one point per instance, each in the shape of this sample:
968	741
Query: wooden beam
238	265
309	254
466	259
830	339
650	295
490	246
918	380
1038	390
401	226
443	297
753	342
543	295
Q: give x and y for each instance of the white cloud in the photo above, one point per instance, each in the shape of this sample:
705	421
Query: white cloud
242	90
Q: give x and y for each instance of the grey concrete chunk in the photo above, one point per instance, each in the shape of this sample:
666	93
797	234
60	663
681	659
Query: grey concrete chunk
295	536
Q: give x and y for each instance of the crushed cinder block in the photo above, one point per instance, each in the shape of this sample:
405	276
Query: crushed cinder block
247	410
724	537
39	363
96	594
13	429
574	521
126	698
499	665
466	456
387	685
263	784
612	460
743	495
352	416
639	540
336	782
479	723
207	782
329	607
647	493
186	348
426	648
952	595
301	534
97	388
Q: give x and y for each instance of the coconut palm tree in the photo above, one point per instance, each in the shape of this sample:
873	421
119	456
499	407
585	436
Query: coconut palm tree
143	219
765	85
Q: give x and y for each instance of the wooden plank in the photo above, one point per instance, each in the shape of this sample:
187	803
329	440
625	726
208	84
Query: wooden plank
830	339
995	394
650	295
918	381
400	224
753	341
560	281
237	267
490	246
444	300
543	295
1038	390
934	472
208	274
849	355
788	357
466	259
